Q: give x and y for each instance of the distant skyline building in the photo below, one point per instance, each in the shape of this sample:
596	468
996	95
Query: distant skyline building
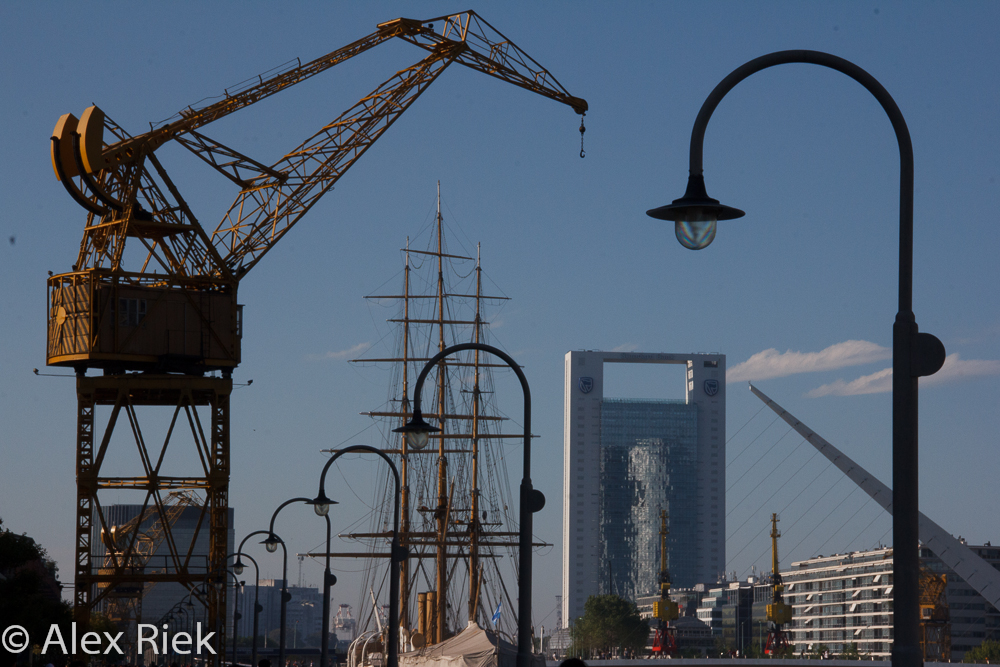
625	460
304	613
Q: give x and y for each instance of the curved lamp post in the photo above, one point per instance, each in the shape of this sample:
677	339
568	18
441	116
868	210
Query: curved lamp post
238	569
236	606
914	354
217	581
531	500
321	504
271	543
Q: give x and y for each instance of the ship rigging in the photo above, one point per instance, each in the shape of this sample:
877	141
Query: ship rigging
458	517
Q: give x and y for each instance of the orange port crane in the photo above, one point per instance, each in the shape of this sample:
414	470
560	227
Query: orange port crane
159	319
779	614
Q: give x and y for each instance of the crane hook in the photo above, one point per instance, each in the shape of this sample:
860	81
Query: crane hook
582	130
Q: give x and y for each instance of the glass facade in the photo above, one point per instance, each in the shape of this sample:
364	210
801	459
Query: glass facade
649	456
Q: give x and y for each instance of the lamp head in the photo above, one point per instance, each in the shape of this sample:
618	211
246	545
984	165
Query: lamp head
321	504
238	566
695	215
416	431
271	543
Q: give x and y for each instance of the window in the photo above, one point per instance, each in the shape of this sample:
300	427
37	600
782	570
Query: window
131	312
711	364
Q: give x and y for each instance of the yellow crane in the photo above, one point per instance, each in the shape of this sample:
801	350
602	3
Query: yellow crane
128	549
664	609
158	320
935	616
779	614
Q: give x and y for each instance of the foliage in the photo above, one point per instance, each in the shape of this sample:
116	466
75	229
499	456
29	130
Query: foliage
16	550
818	651
850	652
986	653
609	624
30	593
787	651
754	651
720	649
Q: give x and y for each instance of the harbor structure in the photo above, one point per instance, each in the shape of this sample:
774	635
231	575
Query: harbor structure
154	547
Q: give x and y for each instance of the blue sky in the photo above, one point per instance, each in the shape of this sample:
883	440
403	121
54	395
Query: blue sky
800	294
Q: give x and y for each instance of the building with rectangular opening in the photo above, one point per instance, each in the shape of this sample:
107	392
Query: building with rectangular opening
625	460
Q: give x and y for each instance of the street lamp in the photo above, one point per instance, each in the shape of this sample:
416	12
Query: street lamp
238	569
271	543
914	354
321	504
531	500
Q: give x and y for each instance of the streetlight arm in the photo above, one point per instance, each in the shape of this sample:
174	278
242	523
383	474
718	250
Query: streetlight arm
510	362
354	449
892	111
249	535
283	506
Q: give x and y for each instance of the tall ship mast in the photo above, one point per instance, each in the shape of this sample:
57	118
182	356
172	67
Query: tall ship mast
458	516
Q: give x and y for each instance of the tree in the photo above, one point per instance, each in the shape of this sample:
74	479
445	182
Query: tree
986	653
850	652
609	624
819	651
30	593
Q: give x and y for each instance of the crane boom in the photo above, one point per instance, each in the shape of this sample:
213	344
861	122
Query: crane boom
125	201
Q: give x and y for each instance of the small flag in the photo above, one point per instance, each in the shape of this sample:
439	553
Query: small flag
496	614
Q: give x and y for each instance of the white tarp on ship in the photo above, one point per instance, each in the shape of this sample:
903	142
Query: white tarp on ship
472	647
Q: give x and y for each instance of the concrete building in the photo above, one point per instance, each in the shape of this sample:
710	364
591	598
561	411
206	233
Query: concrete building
842	599
848	598
627	459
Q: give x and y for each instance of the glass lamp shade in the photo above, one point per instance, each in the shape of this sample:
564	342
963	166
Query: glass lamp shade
417	439
695	234
416	431
695	215
238	567
321	504
271	544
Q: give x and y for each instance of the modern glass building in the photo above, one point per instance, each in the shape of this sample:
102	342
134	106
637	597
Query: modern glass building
649	456
625	460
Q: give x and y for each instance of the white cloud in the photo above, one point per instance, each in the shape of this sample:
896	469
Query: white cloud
954	369
773	364
627	347
876	383
342	354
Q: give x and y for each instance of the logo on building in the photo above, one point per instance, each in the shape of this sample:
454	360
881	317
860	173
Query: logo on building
586	385
711	387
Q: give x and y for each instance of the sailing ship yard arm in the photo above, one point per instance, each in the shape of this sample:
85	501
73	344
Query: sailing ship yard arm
976	572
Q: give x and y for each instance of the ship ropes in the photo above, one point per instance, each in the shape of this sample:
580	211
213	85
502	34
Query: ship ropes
458	514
